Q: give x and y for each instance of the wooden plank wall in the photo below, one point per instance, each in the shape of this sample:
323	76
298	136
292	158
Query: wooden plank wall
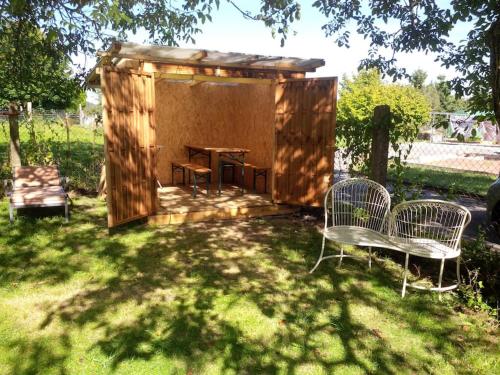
129	125
305	140
225	115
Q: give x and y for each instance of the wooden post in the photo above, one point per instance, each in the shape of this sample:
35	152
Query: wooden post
68	143
29	111
380	144
15	143
81	115
493	40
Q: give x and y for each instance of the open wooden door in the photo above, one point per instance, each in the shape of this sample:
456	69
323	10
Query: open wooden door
304	140
129	132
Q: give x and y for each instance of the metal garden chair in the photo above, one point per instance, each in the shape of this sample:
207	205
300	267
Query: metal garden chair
359	210
430	229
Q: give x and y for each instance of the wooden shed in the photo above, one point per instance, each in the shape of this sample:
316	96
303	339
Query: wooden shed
158	99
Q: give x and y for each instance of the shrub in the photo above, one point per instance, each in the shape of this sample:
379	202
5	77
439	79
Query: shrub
45	141
480	288
358	98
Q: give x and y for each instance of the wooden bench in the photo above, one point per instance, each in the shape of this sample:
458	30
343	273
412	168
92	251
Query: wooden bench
256	170
199	173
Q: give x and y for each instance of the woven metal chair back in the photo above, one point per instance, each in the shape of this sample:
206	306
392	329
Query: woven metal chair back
429	221
358	202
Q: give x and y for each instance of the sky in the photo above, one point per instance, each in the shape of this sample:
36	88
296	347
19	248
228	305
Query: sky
230	32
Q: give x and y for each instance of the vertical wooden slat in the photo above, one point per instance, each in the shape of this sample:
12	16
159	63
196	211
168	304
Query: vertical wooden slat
128	103
305	130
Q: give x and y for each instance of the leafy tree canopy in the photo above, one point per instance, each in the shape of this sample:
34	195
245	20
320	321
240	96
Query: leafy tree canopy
439	94
83	26
417	78
33	69
401	26
358	98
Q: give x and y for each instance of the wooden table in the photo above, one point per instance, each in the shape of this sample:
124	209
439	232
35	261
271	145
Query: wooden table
234	154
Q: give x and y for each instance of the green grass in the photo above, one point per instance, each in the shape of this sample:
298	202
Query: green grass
81	162
215	298
458	182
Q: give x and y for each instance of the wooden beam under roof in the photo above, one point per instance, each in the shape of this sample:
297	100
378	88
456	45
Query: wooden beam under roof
199	55
201	60
196	78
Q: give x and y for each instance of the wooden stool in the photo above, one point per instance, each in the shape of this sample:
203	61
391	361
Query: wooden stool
199	173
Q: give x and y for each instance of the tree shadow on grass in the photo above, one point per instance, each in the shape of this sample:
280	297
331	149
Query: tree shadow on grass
39	356
237	297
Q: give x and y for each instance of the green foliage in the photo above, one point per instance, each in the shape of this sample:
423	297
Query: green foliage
481	287
32	69
448	102
417	79
357	100
460	182
397	26
439	94
44	142
275	14
85	26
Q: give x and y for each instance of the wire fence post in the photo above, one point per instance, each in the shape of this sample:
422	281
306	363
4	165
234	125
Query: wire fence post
68	143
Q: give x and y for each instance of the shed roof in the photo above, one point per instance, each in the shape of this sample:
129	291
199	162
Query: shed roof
203	58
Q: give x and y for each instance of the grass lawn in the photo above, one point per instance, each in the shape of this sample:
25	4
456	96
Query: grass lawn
459	182
229	297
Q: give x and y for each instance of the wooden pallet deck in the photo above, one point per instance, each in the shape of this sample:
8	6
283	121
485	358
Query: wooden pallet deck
178	206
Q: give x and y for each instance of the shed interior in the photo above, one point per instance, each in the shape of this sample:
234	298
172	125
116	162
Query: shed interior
214	114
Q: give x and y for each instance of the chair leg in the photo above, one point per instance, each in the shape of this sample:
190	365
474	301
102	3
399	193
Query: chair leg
441	269
194	186
66	210
320	256
254	181
220	169
403	292
341	255
265	182
208	184
369	257
459	281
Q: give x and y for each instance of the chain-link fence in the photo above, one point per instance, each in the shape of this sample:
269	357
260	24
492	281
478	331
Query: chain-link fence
454	158
453	152
72	141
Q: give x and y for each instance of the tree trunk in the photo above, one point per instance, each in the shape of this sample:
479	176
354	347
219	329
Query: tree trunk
380	144
15	144
494	44
102	188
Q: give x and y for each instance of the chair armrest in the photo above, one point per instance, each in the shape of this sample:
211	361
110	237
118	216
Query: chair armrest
8	186
65	182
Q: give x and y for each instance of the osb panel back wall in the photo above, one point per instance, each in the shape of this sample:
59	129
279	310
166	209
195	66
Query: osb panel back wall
210	114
